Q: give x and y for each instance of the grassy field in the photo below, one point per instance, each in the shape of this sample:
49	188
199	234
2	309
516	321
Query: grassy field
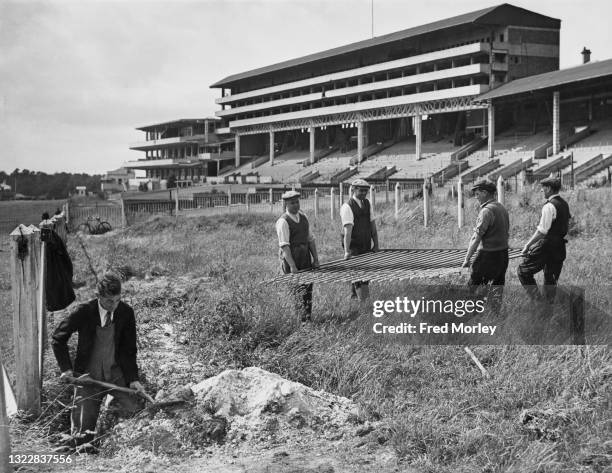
544	409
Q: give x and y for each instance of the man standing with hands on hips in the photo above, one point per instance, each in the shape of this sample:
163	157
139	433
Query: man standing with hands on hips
359	234
297	250
490	239
106	351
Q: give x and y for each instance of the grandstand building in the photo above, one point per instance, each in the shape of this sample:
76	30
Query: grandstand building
187	149
399	91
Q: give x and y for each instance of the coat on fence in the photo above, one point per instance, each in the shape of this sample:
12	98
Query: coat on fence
58	281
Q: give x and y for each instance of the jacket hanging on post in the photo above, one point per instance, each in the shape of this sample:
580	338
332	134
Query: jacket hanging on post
58	281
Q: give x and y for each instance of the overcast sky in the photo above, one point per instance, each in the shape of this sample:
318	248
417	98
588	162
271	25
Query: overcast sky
77	77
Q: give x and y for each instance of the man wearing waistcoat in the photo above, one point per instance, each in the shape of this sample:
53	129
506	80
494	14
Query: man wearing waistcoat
490	243
297	250
545	250
359	234
106	351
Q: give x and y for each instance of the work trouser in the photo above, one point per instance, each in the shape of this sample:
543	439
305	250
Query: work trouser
490	267
547	255
360	289
86	408
301	293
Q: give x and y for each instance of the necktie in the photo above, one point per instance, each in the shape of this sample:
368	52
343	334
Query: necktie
107	319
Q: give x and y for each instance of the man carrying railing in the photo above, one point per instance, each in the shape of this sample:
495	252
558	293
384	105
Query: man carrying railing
359	234
298	250
545	250
490	241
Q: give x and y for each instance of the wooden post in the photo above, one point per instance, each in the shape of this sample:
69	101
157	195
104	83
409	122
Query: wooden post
176	202
25	280
248	202
331	203
397	198
229	197
521	181
341	193
41	299
372	197
5	439
501	190
123	216
460	207
271	193
426	203
316	202
577	315
67	212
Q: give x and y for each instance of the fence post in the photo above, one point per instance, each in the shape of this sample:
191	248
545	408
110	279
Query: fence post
271	193
397	195
67	212
501	190
5	439
521	181
387	191
41	297
341	193
25	271
460	207
576	300
248	202
123	217
426	203
176	202
229	197
316	202
59	226
373	196
331	203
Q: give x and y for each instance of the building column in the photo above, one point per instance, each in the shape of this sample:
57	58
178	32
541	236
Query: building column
271	148
417	134
491	129
359	142
311	130
556	141
237	149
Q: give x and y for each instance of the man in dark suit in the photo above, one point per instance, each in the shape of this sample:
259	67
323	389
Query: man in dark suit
106	351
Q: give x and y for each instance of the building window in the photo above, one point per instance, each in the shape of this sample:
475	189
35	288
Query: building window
501	38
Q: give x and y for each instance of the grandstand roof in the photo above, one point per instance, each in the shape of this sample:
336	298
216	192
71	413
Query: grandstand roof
504	14
593	70
178	122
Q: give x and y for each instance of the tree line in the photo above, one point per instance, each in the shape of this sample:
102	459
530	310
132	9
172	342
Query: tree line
37	184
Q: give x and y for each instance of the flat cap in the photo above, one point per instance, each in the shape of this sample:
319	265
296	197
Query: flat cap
360	183
551	181
290	195
484	185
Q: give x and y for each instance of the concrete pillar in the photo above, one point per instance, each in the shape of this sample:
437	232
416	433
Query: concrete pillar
359	142
397	199
237	157
316	203
271	148
556	106
460	207
311	130
332	208
417	134
491	130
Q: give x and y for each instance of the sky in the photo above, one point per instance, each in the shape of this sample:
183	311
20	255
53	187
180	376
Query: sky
77	77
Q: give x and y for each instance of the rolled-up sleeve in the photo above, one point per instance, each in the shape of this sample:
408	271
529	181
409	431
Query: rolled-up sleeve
282	231
483	222
549	213
346	215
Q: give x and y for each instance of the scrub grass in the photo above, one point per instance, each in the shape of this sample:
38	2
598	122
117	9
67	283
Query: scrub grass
543	409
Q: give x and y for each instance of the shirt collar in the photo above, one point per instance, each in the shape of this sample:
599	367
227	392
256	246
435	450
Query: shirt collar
295	218
552	197
490	200
359	202
102	311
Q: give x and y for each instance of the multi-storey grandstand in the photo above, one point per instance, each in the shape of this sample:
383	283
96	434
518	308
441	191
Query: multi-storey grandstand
477	94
